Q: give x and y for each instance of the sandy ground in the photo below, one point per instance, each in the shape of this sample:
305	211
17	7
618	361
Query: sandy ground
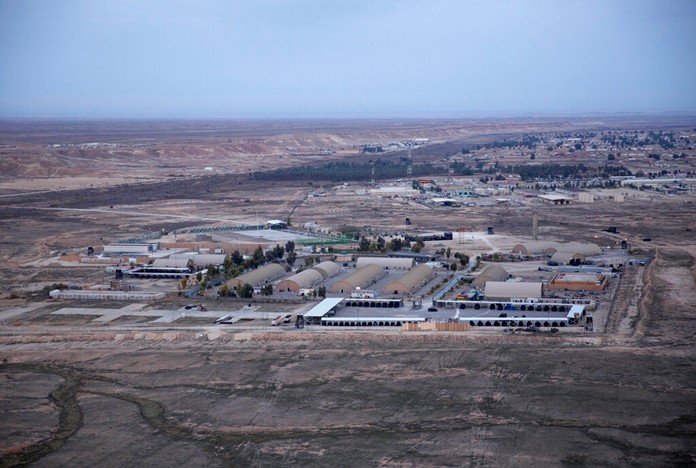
75	392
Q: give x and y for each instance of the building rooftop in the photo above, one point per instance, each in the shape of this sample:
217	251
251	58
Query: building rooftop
323	307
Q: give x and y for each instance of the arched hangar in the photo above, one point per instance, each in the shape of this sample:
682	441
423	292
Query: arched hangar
490	273
362	278
328	269
411	281
302	280
258	277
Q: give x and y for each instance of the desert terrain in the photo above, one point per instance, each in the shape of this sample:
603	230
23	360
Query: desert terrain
76	391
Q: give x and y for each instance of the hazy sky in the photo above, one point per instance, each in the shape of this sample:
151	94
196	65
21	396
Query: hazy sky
345	58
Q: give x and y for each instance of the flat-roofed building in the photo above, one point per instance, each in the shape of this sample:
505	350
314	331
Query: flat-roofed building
129	248
556	198
512	289
390	263
579	281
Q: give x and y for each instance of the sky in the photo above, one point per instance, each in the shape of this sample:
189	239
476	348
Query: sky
345	58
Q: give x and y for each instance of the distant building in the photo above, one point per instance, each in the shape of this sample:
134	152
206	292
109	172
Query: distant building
276	224
555	198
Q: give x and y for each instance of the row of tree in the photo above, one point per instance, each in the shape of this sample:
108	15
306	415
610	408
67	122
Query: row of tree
349	171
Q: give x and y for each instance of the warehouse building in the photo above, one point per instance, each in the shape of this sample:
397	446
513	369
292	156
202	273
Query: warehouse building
259	277
389	263
490	273
505	290
411	281
362	278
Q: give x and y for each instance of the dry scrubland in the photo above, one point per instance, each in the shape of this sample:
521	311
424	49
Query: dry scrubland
76	394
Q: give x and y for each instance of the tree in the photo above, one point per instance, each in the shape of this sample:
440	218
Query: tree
532	156
245	290
395	244
611	157
258	255
418	246
224	290
309	261
184	282
267	290
464	260
292	256
290	246
448	252
237	258
380	243
322	291
453	266
364	244
212	270
227	265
